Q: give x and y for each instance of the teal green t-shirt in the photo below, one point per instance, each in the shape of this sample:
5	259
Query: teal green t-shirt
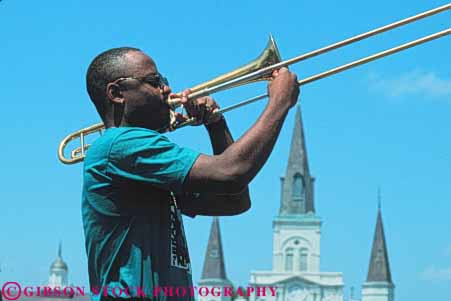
134	233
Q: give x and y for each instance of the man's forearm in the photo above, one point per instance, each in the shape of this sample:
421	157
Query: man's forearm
251	151
220	136
212	203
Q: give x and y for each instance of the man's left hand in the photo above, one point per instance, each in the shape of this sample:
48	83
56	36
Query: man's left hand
203	109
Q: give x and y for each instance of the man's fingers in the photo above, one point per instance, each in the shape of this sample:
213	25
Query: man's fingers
184	96
200	108
179	117
202	101
212	104
277	72
186	92
283	70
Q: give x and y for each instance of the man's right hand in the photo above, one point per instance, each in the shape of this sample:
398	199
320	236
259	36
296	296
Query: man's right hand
283	90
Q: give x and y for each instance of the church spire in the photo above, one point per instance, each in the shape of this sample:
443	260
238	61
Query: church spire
58	271
379	267
59	250
379	199
297	184
214	267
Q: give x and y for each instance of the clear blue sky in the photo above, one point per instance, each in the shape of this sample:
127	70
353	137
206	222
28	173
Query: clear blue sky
385	124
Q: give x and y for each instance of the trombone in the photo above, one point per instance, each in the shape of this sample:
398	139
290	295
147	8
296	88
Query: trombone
261	69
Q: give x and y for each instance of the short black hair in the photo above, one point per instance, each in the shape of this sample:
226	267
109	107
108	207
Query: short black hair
105	68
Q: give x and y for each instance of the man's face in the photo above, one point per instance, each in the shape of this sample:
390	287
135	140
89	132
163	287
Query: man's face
144	101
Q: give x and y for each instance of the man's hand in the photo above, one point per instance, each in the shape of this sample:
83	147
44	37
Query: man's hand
203	109
283	90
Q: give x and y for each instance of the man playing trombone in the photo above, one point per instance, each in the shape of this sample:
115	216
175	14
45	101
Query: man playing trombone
137	182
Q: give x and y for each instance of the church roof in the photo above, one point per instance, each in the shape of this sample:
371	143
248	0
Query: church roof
214	267
58	263
297	184
379	267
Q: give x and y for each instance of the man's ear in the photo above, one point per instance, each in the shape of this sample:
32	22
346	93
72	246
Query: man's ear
114	93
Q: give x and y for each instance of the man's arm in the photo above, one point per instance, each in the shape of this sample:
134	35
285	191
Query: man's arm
210	203
232	170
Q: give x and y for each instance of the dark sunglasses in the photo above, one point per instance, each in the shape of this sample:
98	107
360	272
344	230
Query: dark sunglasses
155	80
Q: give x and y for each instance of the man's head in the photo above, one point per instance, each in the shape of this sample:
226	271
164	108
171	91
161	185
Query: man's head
127	90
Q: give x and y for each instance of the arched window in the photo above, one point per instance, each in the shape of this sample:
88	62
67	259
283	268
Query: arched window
303	260
297	190
289	256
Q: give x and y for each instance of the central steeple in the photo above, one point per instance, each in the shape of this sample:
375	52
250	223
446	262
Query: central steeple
297	184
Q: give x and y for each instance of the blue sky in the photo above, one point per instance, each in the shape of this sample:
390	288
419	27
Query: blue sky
385	124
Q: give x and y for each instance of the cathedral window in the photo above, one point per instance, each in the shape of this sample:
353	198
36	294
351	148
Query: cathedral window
303	260
289	256
297	190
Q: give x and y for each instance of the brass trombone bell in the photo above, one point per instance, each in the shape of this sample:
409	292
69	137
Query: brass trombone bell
261	69
269	57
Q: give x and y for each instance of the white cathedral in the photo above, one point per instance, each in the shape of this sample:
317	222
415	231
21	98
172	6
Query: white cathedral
296	246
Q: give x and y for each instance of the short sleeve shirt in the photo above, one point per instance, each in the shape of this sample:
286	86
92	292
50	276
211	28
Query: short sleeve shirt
134	234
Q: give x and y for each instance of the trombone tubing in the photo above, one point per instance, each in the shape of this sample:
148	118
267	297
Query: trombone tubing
319	51
338	69
78	134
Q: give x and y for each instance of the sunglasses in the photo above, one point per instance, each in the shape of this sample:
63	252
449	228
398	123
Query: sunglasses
155	80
